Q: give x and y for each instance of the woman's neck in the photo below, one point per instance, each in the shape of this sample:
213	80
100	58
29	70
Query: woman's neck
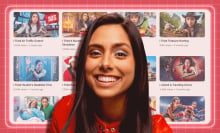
43	107
190	29
175	107
113	109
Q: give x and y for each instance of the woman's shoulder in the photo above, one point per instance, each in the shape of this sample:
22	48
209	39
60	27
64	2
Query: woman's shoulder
160	125
61	113
65	104
25	25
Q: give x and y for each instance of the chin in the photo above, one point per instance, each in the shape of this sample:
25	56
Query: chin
106	94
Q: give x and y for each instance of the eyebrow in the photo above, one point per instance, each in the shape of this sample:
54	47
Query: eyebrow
114	46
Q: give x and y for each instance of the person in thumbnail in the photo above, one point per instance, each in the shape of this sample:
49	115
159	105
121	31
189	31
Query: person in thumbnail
92	18
141	23
37	72
168	27
188	67
189	113
33	26
46	107
171	108
31	112
135	17
70	74
83	22
112	93
191	27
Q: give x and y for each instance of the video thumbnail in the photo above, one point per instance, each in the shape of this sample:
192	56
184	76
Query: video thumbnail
75	24
30	109
69	68
182	68
36	24
144	21
36	68
182	24
182	108
152	104
151	66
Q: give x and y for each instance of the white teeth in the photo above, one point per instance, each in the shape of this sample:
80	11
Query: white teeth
106	79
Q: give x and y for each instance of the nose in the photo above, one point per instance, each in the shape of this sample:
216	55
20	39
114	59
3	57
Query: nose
106	62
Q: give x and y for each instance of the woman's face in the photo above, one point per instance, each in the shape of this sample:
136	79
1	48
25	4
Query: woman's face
176	103
194	104
39	66
33	104
190	21
44	102
187	63
34	18
85	17
110	64
134	18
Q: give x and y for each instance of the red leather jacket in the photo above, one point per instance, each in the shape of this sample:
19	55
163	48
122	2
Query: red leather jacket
63	109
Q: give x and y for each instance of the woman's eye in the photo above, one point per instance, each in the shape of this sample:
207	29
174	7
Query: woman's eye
95	53
121	53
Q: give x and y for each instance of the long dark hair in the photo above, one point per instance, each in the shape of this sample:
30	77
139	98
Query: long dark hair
81	18
192	63
174	100
30	22
195	27
41	101
138	113
29	105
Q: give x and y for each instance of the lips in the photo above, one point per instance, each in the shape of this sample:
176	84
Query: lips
106	80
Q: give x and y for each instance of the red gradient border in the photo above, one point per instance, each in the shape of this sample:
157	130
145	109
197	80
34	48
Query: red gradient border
176	127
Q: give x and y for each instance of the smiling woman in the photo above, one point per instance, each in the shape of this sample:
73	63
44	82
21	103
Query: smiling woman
33	25
112	92
110	65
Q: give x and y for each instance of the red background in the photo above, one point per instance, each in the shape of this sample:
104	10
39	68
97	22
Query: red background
102	4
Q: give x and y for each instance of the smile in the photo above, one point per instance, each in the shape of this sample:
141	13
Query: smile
107	78
106	81
103	78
